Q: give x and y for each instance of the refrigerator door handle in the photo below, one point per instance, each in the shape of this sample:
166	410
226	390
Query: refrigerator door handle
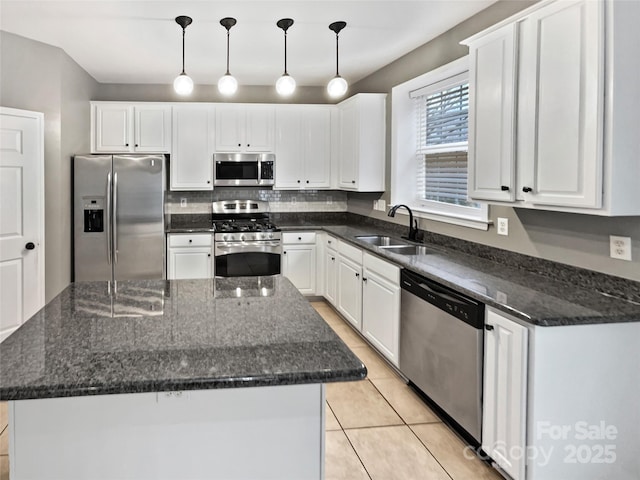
108	222
114	218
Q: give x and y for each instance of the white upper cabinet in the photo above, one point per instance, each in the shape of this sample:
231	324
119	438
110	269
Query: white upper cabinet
244	128
553	113
130	128
491	120
361	150
560	134
192	147
303	146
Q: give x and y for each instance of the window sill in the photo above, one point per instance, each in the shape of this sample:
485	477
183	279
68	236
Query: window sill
453	219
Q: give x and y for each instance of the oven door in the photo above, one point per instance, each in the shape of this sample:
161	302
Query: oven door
247	259
236	172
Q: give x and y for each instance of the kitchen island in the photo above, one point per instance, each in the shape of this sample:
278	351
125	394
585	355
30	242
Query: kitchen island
157	379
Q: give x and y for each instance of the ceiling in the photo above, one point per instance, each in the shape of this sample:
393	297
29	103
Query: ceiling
139	41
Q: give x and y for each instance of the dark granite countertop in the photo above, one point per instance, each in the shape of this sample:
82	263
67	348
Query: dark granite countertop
172	335
534	298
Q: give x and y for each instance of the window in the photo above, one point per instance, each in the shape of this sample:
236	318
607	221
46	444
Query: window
430	174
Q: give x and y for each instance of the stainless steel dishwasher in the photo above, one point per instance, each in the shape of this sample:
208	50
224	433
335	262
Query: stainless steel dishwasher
441	349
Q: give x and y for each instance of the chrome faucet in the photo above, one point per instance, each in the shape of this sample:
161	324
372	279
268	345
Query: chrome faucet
413	227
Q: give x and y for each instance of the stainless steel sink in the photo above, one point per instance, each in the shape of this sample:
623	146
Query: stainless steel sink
408	249
381	241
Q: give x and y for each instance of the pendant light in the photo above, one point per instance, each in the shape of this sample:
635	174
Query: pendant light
285	85
337	86
183	85
227	85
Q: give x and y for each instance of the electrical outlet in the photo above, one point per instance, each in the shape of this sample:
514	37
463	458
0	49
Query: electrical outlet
503	226
183	202
620	247
382	205
375	205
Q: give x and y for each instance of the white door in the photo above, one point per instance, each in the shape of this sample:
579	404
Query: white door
289	149
299	266
112	124
230	124
192	147
331	276
504	408
381	314
153	129
350	291
317	147
191	262
349	146
560	108
260	123
21	217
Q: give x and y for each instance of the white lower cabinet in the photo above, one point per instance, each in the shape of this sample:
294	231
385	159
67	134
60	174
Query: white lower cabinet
504	410
381	305
349	301
189	256
299	260
331	261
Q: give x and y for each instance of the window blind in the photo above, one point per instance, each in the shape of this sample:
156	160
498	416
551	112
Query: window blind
442	129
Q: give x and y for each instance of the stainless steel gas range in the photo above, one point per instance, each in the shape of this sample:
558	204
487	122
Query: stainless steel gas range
246	243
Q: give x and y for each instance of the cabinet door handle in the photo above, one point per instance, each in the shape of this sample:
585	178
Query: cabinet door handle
300	238
307	181
208	181
527	189
208	254
239	144
30	246
353	181
298	181
488	327
504	188
364	279
329	242
333	259
126	144
357	275
284	253
248	144
190	240
137	145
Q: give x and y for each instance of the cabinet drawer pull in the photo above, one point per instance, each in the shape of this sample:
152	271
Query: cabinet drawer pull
504	188
190	240
488	327
137	145
357	275
299	238
527	189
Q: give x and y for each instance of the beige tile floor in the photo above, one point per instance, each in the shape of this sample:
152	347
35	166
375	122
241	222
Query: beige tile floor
377	428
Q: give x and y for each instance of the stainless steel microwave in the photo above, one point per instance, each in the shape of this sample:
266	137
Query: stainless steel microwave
243	169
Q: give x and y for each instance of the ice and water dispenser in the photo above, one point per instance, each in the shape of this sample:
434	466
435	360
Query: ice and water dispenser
93	214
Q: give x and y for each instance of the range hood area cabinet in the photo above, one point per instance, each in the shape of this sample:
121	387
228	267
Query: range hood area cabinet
245	128
337	147
554	110
130	127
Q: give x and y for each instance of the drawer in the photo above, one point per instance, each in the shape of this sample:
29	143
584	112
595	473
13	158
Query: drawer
190	240
331	242
381	267
292	238
349	251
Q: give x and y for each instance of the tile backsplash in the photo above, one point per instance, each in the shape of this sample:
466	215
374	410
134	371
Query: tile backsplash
279	200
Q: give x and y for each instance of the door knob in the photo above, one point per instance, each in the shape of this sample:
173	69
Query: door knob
30	246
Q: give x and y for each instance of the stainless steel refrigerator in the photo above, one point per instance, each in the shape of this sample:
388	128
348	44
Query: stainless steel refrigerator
119	217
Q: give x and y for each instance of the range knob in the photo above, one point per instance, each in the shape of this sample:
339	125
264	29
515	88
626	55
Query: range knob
224	237
242	237
270	235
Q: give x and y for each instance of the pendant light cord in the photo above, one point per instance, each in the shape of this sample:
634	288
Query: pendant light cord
337	53
183	30
285	53
227	53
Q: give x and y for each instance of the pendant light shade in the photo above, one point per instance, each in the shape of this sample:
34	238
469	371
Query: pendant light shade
227	85
183	85
286	84
337	86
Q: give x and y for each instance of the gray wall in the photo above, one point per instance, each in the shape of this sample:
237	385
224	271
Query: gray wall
39	77
574	239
